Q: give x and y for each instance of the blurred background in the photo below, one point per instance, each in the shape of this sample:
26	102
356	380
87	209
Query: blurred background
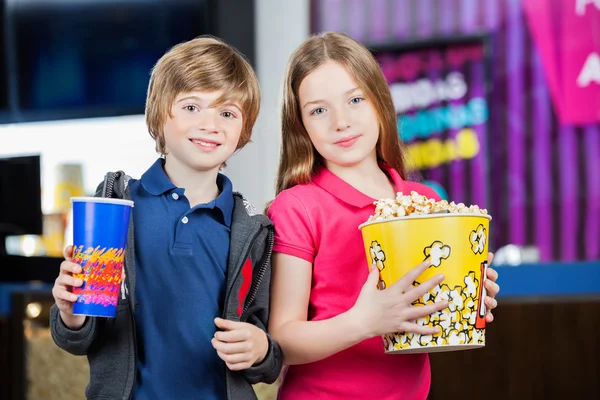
498	102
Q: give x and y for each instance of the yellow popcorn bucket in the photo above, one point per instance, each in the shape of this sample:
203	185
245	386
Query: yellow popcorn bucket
457	246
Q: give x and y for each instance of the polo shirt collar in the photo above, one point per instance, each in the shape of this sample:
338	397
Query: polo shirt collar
156	182
224	200
339	188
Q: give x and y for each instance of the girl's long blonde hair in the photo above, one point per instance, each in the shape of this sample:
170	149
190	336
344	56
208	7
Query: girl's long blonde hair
298	157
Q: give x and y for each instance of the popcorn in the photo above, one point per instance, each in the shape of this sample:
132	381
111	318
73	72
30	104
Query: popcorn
457	322
416	204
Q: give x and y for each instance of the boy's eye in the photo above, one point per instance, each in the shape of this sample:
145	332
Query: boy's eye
318	111
356	100
191	108
227	114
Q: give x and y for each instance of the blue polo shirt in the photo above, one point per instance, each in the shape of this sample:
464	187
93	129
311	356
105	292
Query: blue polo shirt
181	263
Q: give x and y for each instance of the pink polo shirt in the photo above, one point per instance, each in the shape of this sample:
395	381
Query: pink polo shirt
318	222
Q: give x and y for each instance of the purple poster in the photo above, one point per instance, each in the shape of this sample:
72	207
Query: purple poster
439	92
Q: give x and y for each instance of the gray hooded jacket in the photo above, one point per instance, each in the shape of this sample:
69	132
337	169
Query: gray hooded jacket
110	343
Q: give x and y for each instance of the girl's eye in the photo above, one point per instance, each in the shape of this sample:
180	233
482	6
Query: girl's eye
227	114
191	108
356	100
318	111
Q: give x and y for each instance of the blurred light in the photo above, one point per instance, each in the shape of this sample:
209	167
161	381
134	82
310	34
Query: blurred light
516	255
28	245
33	310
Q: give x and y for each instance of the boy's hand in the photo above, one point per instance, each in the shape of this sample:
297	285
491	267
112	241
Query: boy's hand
492	289
241	345
63	291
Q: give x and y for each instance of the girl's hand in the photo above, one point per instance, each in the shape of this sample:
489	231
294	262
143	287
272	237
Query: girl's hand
379	312
492	289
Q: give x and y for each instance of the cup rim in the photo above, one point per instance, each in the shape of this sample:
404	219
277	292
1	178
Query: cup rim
426	216
105	200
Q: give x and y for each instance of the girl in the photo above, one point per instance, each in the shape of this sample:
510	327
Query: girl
340	151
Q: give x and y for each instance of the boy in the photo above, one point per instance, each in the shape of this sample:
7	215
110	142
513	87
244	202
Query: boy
193	309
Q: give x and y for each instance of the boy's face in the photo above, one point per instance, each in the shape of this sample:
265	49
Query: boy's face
201	135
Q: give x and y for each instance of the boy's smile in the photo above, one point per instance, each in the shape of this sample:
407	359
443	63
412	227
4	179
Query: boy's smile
205	144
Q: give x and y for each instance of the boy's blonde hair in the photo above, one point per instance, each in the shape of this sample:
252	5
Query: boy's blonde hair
201	64
299	159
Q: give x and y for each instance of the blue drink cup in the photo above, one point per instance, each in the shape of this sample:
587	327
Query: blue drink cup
100	228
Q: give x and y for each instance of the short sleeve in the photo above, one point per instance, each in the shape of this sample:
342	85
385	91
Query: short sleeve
294	234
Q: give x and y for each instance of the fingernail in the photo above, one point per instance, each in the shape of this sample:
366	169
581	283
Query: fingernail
79	282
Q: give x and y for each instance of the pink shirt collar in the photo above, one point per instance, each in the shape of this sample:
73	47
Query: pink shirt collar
339	188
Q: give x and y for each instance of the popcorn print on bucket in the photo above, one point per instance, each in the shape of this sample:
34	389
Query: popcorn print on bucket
478	238
377	260
437	252
457	322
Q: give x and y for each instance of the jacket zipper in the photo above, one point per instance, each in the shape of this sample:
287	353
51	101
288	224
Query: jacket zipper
227	297
239	271
261	271
132	318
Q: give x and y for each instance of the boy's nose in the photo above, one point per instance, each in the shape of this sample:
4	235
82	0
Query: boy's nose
208	122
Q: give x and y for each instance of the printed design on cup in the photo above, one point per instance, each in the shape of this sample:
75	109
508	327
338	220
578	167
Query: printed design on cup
437	252
377	260
478	238
101	274
457	322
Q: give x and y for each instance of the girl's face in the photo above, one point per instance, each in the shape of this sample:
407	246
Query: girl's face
340	120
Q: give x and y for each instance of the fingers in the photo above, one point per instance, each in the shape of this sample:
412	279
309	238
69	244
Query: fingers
234	358
416	292
68	280
236	335
412	275
372	278
421	330
228	325
237	356
491	303
237	366
490	258
68	253
422	311
492	288
69	267
489	317
231	348
232	331
63	295
491	274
